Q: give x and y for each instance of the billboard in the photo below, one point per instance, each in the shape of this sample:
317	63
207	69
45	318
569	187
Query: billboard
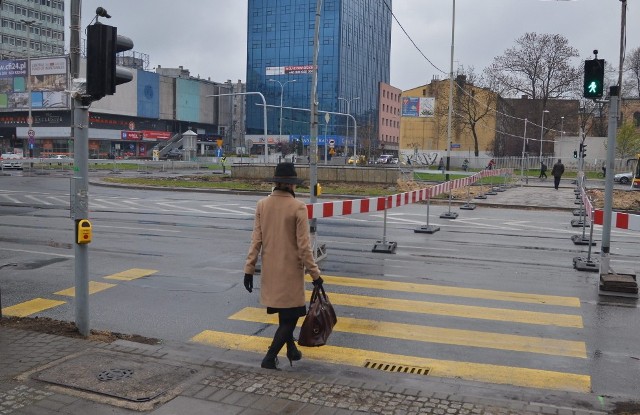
49	81
289	70
418	107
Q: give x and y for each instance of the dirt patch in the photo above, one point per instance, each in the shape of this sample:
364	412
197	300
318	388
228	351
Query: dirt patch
623	200
69	329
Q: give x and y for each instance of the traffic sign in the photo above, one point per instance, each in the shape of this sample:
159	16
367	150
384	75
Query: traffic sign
31	133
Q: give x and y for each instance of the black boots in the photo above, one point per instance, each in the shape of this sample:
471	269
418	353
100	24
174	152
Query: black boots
270	361
292	352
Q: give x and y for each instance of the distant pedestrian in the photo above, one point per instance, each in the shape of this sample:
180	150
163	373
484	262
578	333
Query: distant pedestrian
543	170
557	172
223	160
441	164
492	163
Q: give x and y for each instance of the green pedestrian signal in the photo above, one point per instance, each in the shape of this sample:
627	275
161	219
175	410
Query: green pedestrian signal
593	78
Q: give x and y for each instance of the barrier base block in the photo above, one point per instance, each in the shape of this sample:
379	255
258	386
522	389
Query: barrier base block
619	285
321	252
467	206
427	229
579	223
581	240
480	197
577	201
385	247
584	264
577	212
491	193
449	215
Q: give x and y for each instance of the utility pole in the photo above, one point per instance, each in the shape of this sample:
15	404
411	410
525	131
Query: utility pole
453	31
80	182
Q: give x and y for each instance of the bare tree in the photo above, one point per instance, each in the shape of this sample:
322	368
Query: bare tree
473	104
632	66
538	66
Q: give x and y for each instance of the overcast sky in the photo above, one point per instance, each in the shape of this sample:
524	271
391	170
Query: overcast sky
208	37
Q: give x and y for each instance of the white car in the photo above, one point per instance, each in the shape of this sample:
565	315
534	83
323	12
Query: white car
623	178
385	159
10	161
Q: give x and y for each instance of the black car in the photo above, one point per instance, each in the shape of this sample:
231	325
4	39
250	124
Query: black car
173	154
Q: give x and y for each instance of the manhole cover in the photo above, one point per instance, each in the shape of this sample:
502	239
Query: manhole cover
114	374
134	378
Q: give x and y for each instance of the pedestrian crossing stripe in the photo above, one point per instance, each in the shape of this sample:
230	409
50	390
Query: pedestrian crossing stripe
468	338
454	291
131	274
457	310
30	307
480	372
94	287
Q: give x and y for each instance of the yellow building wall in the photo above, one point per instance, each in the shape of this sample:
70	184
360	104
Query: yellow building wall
430	133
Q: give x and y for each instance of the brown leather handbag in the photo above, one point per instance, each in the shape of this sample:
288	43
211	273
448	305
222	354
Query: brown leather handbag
319	321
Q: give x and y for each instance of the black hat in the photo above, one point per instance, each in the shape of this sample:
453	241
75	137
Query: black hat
286	173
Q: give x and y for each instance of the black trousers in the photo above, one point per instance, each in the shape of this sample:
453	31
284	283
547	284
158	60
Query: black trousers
556	181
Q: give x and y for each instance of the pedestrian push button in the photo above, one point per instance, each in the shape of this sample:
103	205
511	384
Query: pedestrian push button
84	231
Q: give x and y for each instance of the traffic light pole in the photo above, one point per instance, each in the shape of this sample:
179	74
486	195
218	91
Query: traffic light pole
79	197
608	188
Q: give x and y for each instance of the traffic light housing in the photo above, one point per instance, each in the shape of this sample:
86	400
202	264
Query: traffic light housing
103	43
575	154
583	151
593	78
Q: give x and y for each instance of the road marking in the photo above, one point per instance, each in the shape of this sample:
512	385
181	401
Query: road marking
427	334
506	375
37	252
94	287
11	199
37	199
227	210
30	307
131	274
454	291
456	310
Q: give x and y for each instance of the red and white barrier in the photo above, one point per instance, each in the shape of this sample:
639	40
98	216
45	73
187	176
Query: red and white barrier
618	219
376	204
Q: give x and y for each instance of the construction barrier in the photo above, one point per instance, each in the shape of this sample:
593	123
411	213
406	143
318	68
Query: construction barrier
381	203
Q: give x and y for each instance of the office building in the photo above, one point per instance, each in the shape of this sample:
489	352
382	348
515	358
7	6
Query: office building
37	23
353	59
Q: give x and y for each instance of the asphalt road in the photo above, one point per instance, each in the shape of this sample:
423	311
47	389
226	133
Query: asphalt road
491	297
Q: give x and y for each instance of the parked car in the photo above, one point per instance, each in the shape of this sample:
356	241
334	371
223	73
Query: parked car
10	161
623	178
173	154
60	157
385	159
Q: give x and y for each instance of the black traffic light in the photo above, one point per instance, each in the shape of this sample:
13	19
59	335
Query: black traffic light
593	78
575	154
583	151
103	43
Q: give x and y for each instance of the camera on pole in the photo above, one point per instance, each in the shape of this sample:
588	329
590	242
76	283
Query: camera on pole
103	73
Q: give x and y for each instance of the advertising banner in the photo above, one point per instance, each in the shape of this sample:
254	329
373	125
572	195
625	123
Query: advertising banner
48	78
418	106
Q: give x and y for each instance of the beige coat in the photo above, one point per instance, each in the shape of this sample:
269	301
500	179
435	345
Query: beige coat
281	236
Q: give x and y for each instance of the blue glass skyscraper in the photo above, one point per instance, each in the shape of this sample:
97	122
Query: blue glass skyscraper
354	54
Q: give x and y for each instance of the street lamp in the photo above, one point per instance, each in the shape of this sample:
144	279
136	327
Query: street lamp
542	133
30	24
281	95
561	127
348	101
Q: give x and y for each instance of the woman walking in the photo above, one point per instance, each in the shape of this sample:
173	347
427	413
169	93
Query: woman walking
281	237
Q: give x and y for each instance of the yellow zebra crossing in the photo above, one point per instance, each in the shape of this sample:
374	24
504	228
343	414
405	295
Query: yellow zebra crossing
568	320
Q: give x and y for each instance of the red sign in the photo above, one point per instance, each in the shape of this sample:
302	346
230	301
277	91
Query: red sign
156	135
131	135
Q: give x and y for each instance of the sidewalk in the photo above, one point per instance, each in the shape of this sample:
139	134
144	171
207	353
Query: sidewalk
50	374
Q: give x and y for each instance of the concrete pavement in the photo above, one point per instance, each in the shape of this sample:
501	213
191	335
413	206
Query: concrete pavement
50	374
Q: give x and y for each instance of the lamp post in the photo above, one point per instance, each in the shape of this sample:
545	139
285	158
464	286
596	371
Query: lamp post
281	95
542	133
348	101
30	24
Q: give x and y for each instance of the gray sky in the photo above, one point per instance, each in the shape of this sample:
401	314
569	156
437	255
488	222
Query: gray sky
208	37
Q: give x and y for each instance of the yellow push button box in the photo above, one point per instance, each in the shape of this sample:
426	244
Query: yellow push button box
84	231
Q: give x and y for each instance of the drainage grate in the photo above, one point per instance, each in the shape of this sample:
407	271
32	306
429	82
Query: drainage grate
390	367
115	374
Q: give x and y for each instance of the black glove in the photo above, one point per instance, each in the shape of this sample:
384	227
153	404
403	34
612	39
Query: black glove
318	282
248	282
